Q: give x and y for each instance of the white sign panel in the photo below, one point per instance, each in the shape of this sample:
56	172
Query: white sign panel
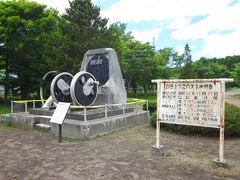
191	103
60	113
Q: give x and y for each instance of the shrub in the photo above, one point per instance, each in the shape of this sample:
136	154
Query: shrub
232	124
152	107
153	118
232	120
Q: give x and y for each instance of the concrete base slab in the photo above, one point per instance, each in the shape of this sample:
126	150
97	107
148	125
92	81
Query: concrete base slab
43	127
157	151
93	128
75	128
28	120
4	117
219	163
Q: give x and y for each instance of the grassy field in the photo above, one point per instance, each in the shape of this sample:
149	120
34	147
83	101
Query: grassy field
237	96
5	108
151	96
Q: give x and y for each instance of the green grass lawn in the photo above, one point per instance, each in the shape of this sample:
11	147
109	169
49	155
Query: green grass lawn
5	108
151	96
237	96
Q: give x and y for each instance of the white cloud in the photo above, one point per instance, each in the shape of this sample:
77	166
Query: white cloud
218	20
138	10
60	5
146	35
179	23
222	45
176	16
180	49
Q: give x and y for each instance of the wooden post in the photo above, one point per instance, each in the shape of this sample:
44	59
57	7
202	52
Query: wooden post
34	105
26	110
106	109
123	108
222	124
85	114
11	106
158	115
136	107
147	105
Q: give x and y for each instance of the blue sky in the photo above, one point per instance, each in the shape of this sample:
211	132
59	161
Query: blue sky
210	27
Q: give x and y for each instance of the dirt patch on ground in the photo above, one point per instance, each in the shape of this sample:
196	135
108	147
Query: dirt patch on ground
124	154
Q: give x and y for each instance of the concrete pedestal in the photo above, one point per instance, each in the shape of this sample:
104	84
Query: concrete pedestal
219	163
74	125
158	151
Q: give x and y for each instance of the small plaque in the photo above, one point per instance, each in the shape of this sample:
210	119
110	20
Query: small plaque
60	113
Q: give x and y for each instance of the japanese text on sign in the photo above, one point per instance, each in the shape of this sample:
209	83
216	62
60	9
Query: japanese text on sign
195	103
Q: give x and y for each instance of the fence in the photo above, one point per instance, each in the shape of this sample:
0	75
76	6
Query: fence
133	103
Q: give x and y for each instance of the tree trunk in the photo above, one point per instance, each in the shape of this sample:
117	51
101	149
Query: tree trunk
133	85
145	89
24	92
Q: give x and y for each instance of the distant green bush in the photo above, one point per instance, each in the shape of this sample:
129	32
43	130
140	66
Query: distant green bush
237	95
232	120
152	107
153	118
232	124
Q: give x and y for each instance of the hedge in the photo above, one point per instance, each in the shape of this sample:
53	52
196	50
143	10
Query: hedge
232	124
152	107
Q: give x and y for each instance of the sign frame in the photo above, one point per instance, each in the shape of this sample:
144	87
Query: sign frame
222	82
59	116
197	106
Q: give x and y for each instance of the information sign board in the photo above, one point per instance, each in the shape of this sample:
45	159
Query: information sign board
191	103
197	102
60	113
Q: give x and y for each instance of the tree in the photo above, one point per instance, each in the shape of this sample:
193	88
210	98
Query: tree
188	69
24	28
205	68
169	63
85	30
116	37
236	73
140	66
187	54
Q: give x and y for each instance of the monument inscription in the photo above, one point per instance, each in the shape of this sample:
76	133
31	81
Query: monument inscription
98	66
193	103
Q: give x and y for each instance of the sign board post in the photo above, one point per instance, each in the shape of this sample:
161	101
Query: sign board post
222	124
59	116
195	102
158	116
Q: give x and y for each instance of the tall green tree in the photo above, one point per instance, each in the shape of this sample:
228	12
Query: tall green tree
117	38
85	30
187	71
205	68
24	29
140	66
169	63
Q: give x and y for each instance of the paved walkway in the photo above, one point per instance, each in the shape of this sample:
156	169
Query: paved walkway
231	99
